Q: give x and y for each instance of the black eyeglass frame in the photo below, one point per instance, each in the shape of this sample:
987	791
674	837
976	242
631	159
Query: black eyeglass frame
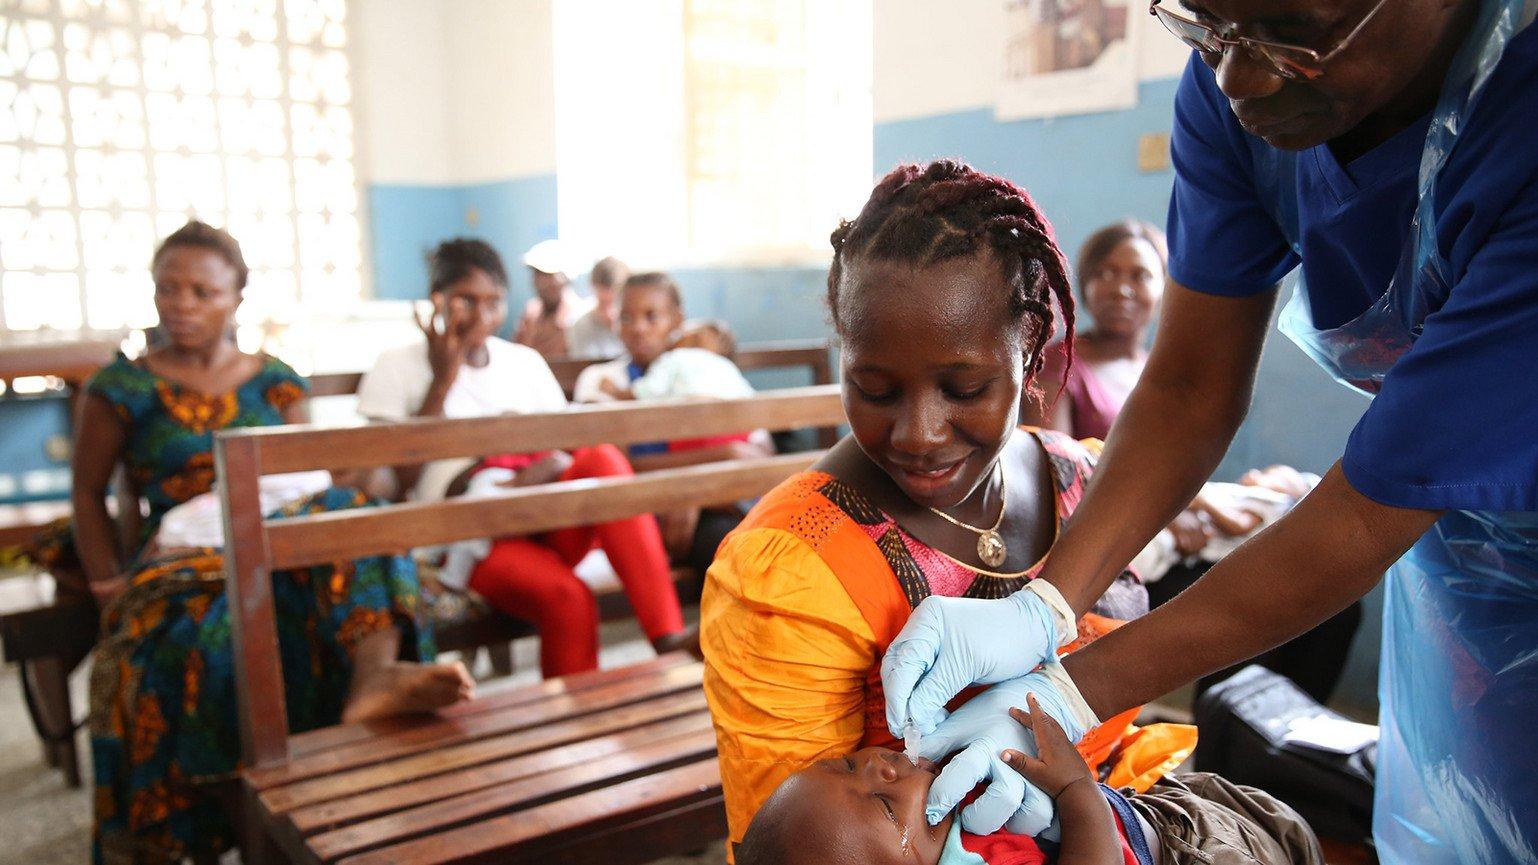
1301	64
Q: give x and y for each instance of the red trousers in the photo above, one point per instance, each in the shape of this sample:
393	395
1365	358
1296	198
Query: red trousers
532	578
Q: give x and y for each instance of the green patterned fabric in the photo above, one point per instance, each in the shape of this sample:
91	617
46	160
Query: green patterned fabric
163	723
169	451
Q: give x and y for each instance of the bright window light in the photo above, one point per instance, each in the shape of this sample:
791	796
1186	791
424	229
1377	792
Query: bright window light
121	119
710	131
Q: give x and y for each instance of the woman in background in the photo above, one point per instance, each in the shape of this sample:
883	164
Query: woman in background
462	369
163	725
1121	275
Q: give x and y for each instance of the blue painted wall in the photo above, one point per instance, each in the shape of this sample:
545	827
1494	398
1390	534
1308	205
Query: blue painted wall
406	222
27	473
1081	170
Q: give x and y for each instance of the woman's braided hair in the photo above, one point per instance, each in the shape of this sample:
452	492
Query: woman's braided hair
925	214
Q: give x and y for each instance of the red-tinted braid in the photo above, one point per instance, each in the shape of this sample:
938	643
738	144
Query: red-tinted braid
926	214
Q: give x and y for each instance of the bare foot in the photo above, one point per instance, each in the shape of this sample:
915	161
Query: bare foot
403	688
687	640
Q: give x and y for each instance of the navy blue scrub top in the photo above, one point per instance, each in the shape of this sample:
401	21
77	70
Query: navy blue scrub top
1456	423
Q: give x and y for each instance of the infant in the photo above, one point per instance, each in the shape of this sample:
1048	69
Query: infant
868	808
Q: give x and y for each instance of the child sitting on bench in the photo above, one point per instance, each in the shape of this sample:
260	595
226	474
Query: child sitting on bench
665	358
869	808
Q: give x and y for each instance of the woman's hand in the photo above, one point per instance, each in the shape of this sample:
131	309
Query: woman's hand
1281	478
983	732
547	470
1191	532
950	643
447	348
612	389
108	590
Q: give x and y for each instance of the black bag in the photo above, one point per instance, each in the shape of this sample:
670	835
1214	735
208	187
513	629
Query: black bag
1242	722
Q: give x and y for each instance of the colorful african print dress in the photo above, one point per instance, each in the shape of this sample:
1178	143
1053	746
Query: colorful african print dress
163	724
803	599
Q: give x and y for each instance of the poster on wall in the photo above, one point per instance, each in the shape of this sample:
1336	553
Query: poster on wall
1066	57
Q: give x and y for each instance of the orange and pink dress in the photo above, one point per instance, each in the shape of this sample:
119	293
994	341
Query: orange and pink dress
803	599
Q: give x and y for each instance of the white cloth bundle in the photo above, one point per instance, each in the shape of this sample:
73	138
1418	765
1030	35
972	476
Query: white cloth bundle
197	522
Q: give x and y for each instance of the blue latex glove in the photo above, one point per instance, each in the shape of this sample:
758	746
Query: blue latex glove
982	730
951	643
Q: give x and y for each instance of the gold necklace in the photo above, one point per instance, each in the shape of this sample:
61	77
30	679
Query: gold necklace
985	573
990	545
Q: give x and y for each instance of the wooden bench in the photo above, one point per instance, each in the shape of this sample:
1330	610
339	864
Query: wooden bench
616	766
50	638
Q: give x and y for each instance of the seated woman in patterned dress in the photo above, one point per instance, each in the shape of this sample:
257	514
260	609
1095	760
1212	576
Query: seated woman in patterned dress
163	726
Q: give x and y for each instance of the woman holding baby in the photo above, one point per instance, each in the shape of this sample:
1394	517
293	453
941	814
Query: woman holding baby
942	292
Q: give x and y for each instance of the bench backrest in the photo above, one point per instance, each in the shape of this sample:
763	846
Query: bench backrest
813	354
255	547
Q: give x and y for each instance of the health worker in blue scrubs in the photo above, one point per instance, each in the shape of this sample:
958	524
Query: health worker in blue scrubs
1385	152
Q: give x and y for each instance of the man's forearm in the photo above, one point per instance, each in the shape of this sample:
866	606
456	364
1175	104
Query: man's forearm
1329	551
1169	437
1166	443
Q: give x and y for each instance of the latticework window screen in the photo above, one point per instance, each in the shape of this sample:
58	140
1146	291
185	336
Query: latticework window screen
120	119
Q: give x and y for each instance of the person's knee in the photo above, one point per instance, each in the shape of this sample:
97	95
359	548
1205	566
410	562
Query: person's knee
601	461
568	598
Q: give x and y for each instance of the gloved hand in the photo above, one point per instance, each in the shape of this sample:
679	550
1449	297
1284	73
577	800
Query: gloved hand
982	730
951	643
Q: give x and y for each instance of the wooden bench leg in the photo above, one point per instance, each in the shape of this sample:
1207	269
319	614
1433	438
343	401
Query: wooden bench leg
46	683
256	846
501	656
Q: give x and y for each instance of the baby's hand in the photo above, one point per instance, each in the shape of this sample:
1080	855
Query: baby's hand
1058	763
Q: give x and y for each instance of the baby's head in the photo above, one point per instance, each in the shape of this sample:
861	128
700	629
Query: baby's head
863	809
711	334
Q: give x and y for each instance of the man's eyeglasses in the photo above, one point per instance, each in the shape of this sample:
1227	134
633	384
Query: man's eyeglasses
1288	61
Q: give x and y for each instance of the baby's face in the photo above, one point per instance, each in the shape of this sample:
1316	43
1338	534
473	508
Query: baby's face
871	805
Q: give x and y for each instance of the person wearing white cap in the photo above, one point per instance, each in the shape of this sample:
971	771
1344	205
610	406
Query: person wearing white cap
555	306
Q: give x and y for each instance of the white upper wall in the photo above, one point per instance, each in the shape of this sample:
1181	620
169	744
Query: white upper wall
938	58
399	78
501	70
463	91
453	91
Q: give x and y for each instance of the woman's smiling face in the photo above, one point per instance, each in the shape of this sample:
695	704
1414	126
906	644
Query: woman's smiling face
932	370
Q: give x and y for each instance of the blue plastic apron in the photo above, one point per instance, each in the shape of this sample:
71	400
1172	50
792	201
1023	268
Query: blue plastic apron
1458	680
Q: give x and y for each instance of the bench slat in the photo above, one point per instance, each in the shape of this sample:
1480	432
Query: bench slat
492	699
359	532
681	831
432	732
497	837
456	755
608	764
612	728
299	448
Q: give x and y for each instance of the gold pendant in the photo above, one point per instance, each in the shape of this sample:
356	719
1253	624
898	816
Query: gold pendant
990	548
